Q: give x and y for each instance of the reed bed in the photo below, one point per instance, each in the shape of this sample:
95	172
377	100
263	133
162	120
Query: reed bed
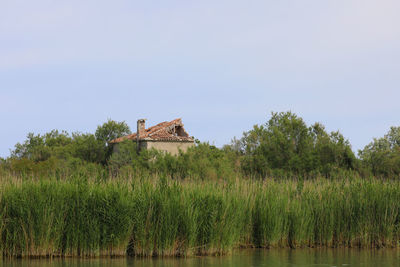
164	217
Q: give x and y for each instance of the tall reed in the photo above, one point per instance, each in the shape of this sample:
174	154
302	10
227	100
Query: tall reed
83	216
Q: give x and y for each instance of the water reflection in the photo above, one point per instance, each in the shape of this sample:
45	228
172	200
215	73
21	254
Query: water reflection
246	258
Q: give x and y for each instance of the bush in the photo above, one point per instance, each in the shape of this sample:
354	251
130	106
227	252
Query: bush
202	162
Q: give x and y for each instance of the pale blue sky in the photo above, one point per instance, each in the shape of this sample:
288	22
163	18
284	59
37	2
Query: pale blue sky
222	66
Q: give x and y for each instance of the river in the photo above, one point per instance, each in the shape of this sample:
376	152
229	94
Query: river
242	258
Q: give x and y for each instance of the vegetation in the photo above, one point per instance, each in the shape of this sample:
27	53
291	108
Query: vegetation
286	145
282	184
160	216
382	156
283	147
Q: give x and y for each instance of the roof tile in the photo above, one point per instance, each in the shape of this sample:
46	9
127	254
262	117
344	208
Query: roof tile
160	132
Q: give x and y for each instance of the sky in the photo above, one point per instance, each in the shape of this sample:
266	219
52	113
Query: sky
222	66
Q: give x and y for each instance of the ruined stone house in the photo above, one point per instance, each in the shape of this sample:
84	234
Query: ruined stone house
166	136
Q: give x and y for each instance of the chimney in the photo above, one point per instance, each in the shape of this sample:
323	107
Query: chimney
141	126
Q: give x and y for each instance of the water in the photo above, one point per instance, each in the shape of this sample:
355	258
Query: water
243	258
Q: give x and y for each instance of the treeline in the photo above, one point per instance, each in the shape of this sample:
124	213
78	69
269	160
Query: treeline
285	146
165	217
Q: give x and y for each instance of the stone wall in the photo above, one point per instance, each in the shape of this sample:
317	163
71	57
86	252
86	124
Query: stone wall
166	146
169	146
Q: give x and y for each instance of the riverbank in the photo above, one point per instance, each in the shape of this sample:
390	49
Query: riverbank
87	217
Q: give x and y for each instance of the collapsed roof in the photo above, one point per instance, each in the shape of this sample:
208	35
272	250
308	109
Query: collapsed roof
164	131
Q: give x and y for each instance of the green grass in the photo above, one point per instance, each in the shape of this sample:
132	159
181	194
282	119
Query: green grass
164	217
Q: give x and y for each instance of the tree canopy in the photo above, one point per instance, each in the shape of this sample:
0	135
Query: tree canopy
111	130
382	155
286	143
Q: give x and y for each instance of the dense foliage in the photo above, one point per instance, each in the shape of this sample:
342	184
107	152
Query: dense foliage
382	156
286	145
282	147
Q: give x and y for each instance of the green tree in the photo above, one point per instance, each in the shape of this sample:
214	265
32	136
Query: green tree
109	131
126	154
382	155
331	151
286	144
41	147
87	148
60	145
